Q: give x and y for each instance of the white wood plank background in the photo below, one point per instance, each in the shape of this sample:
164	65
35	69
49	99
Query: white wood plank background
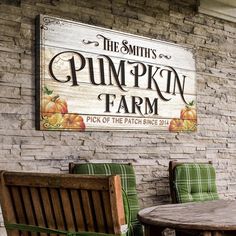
58	35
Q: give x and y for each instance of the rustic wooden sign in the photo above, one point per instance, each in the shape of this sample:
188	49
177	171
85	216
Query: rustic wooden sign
92	78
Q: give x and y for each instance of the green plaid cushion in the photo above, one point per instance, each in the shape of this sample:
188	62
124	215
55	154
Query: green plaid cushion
128	183
195	182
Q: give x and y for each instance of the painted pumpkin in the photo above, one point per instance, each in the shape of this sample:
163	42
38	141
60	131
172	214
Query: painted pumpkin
73	121
53	121
189	112
53	104
176	125
190	125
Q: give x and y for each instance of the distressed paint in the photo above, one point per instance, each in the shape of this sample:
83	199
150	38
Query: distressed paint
92	78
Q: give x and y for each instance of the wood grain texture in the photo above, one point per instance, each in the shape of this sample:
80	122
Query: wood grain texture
116	202
99	211
7	206
78	210
215	216
62	201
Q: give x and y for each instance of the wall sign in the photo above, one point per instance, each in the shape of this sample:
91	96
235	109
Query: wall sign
92	78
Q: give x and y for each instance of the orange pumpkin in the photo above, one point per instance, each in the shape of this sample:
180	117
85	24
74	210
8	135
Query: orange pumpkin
190	125
176	125
73	121
189	112
53	104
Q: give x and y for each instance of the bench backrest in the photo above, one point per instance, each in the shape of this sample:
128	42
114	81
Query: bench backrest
128	182
64	202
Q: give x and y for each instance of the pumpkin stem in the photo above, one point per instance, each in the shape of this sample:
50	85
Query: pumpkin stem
190	104
55	98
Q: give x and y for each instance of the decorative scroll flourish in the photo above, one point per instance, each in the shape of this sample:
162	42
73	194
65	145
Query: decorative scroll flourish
49	21
100	36
90	42
165	56
96	43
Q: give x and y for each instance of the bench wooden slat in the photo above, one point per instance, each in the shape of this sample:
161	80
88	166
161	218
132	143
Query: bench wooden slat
57	209
20	214
116	202
69	220
108	215
6	200
49	214
30	215
61	201
87	210
6	193
78	210
38	208
46	180
99	212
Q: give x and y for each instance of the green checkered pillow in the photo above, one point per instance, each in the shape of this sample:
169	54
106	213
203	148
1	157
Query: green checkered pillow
195	182
128	183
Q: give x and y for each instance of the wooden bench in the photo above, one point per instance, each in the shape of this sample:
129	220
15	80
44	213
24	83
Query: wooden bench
36	204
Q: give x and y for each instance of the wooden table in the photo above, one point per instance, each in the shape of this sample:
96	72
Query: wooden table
211	218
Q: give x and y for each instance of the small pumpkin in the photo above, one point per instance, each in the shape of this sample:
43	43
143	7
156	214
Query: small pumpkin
189	112
176	125
53	121
73	121
190	125
52	104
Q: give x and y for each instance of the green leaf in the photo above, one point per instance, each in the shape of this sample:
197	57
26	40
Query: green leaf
47	90
191	103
